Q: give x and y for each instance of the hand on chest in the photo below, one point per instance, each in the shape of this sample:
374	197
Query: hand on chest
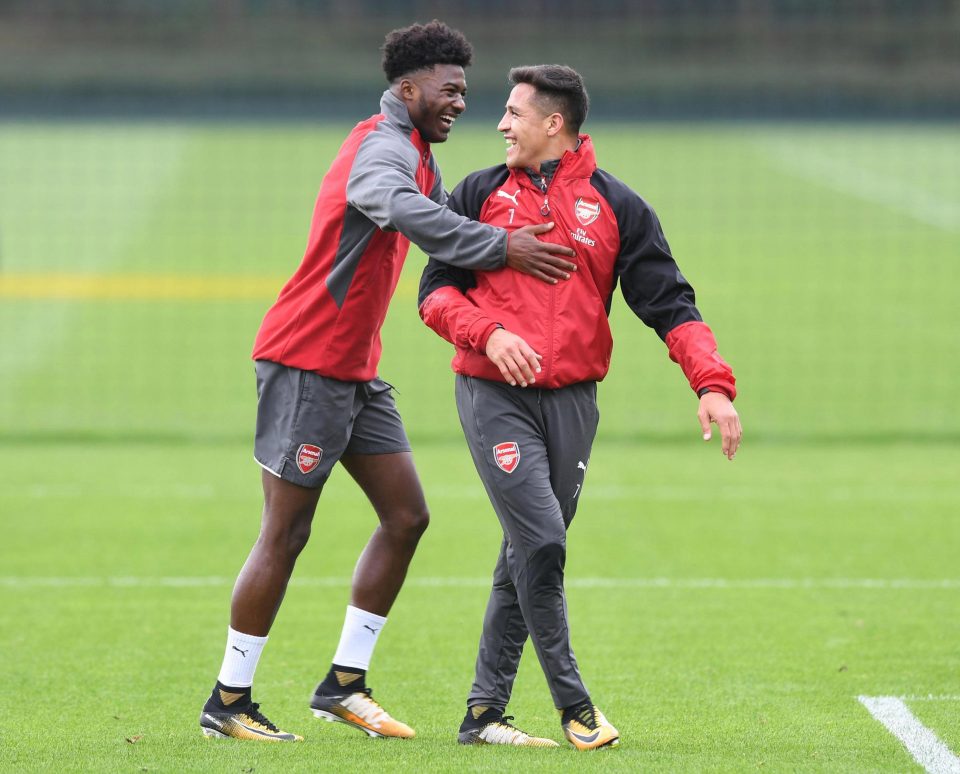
583	221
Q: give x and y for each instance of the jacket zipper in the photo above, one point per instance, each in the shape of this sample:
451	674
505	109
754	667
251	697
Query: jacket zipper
545	212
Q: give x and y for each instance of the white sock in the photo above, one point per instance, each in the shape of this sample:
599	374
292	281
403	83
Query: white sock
240	659
358	638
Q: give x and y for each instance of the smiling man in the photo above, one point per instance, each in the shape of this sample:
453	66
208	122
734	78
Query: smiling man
528	360
320	399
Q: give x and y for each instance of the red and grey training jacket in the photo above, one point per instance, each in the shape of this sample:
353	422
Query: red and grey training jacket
616	236
382	191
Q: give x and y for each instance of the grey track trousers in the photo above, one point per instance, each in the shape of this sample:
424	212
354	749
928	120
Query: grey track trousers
534	488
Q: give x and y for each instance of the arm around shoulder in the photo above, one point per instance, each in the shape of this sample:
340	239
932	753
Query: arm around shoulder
382	185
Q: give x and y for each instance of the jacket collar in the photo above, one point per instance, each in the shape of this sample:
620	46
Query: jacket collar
578	163
392	107
581	162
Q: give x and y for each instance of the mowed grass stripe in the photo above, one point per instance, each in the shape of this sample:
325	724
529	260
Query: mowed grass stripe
787	584
47	286
835	170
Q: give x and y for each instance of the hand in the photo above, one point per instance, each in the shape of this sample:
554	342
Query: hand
539	259
717	408
514	357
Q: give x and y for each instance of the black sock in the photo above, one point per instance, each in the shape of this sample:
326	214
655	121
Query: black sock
343	679
479	715
227	697
574	712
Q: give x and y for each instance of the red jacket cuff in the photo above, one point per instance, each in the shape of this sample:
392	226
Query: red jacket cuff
486	331
451	314
693	346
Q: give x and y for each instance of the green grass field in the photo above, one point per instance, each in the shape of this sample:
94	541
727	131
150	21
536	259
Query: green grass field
726	616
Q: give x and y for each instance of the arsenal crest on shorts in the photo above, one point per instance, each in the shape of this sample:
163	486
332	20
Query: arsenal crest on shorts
587	210
308	457
507	456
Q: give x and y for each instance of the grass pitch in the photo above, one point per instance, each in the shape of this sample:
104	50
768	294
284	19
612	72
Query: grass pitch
726	616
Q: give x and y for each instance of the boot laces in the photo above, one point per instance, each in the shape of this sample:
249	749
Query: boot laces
503	730
587	715
366	707
253	712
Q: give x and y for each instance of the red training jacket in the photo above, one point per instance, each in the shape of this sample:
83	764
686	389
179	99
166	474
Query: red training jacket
382	191
617	237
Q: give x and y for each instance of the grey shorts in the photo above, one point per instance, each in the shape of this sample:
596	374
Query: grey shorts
306	422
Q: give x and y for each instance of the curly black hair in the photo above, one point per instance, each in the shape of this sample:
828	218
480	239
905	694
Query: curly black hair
418	46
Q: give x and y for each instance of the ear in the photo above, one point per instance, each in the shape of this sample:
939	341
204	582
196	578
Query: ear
407	90
554	123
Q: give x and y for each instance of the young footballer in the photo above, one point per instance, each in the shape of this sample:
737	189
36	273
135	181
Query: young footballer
528	359
321	400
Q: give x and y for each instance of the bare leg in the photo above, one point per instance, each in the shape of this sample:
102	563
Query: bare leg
287	514
390	482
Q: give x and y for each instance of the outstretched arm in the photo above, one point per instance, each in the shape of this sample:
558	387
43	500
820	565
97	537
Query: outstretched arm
658	293
383	187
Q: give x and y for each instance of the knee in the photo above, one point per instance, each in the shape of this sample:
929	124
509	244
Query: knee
297	537
286	538
408	523
548	559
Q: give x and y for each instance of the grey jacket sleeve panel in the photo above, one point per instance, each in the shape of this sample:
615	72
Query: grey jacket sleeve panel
439	193
382	186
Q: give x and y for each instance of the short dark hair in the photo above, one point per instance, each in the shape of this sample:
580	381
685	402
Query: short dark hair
560	90
419	46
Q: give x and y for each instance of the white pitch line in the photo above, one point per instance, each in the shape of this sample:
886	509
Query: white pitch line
920	741
787	584
930	697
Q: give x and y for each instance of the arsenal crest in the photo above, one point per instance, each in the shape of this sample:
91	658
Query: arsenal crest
308	457
587	210
507	456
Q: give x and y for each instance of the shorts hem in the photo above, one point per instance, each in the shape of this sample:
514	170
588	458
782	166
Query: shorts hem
266	467
372	451
294	475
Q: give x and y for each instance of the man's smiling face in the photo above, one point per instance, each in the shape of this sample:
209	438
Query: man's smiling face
439	100
524	127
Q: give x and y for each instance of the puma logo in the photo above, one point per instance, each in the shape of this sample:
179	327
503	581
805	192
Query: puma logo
581	466
241	652
512	198
372	630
